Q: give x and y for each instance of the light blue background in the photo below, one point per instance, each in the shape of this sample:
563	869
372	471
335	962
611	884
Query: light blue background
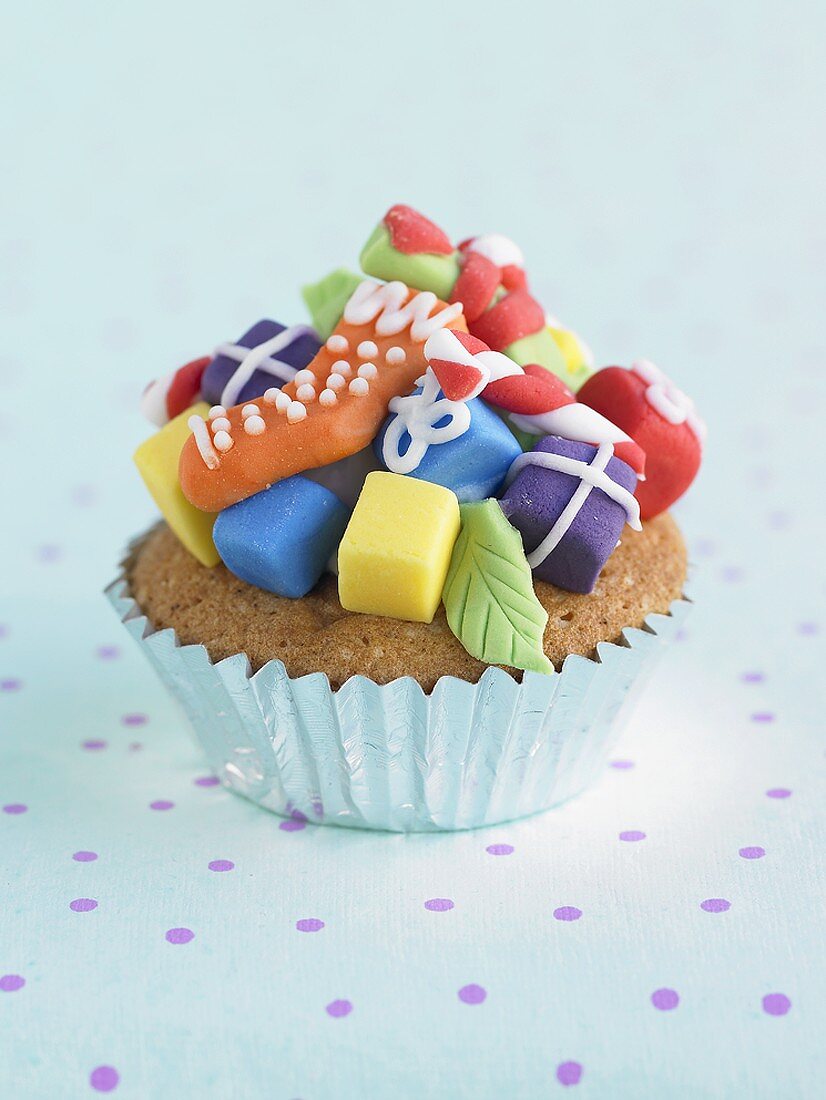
171	172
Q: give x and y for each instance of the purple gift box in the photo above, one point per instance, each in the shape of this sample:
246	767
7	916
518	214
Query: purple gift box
570	502
268	354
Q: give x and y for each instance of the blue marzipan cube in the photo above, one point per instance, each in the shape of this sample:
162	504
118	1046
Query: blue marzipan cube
474	465
282	538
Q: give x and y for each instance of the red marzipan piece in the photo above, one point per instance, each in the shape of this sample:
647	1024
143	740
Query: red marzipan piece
672	451
514	277
476	285
412	232
185	386
514	316
470	343
458	380
634	455
534	392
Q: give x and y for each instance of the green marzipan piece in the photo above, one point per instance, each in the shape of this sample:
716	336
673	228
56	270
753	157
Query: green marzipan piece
327	298
489	596
421	270
540	347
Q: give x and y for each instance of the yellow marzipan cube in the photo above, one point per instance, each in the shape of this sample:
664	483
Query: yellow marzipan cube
396	550
157	461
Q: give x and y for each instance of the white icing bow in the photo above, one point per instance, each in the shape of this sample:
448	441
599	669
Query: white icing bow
417	415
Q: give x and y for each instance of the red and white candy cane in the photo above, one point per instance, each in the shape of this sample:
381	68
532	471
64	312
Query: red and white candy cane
538	401
168	397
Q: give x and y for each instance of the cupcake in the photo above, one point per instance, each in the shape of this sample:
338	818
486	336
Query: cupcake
416	557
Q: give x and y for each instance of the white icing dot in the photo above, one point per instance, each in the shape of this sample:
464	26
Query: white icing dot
271	395
368	370
282	401
250	410
303	376
254	425
305	393
359	387
367	349
222	441
296	412
395	356
327	397
342	367
338	345
217	410
335	382
220	424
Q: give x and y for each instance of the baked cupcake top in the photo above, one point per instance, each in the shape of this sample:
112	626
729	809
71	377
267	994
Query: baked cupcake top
434	438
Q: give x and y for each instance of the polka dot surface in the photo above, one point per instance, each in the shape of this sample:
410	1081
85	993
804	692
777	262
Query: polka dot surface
655	936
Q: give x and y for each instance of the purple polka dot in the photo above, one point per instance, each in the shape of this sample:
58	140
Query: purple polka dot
776	1004
778	792
4	630
715	905
135	746
83	905
472	994
48	553
11	683
337	1009
309	924
296	821
107	652
755	852
161	804
779	521
732	574
762	716
567	912
438	905
93	745
752	677
622	765
665	999
221	865
134	720
15	808
207	781
10	983
104	1078
180	935
808	629
499	849
569	1073
632	834
84	495
85	857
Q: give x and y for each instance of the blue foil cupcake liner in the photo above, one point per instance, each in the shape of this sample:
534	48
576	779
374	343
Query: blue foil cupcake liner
391	757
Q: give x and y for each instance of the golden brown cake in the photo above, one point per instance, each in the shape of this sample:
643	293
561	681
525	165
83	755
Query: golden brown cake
214	608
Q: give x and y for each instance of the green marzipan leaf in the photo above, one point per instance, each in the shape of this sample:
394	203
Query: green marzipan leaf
488	595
